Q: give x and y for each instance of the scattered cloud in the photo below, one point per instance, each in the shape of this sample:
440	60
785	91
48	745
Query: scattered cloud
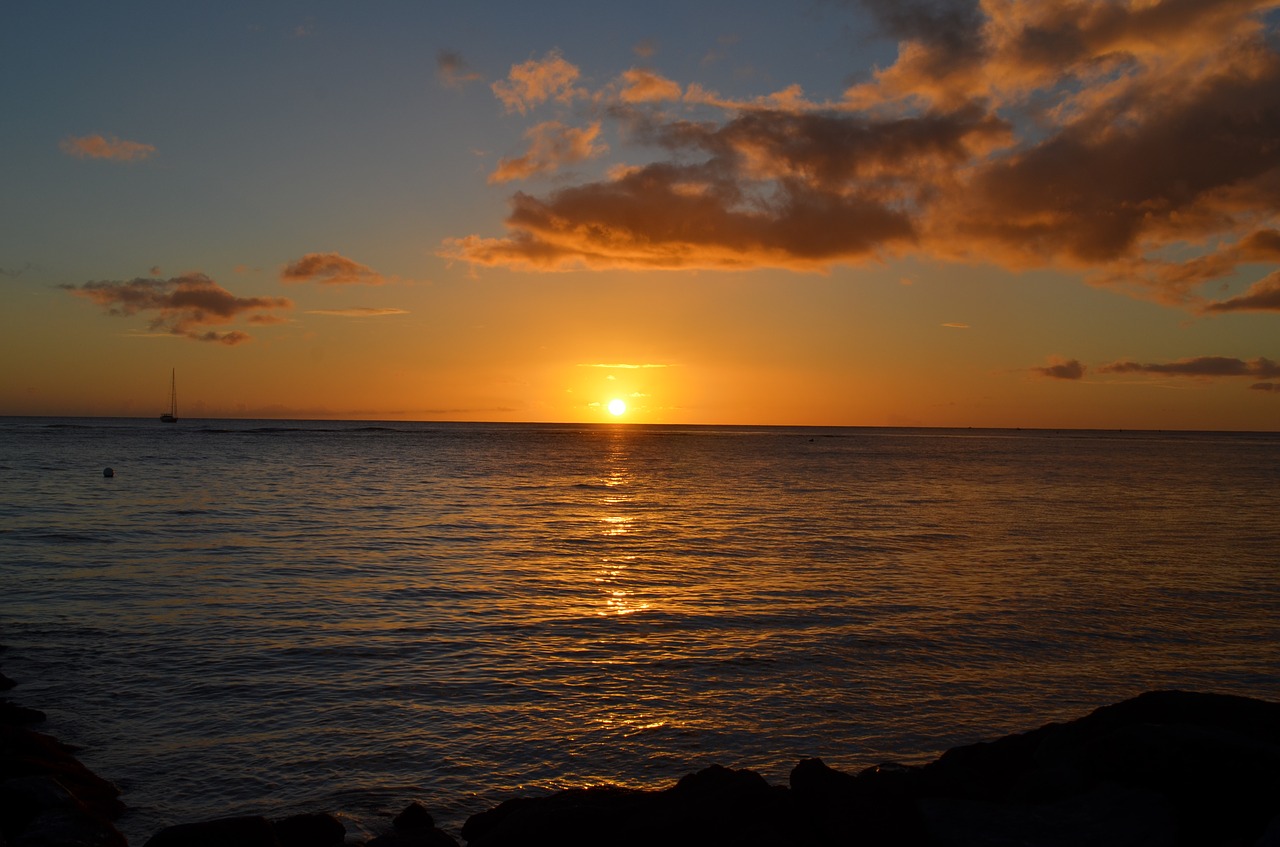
1266	386
551	144
1102	139
357	312
956	326
330	269
183	305
1060	368
645	48
452	70
1203	366
536	81
100	147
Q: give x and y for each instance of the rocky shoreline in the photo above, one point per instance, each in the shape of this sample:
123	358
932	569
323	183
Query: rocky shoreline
1175	768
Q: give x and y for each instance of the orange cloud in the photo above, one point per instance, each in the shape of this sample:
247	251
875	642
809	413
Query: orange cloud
182	305
552	144
642	86
536	81
330	269
112	149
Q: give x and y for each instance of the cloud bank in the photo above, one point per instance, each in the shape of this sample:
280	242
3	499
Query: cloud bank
183	305
1093	137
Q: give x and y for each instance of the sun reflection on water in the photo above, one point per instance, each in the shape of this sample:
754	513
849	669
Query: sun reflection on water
615	575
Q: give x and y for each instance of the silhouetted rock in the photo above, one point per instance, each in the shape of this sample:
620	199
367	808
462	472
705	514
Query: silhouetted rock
314	830
11	714
713	806
414	827
6	683
247	831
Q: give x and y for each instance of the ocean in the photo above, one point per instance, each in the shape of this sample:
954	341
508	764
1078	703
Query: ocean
274	616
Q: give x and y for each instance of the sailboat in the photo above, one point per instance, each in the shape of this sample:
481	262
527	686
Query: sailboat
171	416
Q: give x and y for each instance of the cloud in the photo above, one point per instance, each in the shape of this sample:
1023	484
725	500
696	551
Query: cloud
1097	138
357	312
1262	296
182	305
642	86
956	326
536	81
552	144
452	70
329	269
112	149
1266	386
1060	368
778	189
645	48
1203	366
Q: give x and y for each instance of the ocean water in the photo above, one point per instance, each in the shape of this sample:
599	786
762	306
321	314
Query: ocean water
273	617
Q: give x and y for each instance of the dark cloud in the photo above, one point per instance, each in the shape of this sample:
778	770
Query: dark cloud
1209	366
1266	386
182	305
1262	296
1059	368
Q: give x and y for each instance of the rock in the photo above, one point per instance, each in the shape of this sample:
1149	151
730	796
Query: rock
39	810
713	806
1108	816
12	714
414	817
248	831
414	827
314	830
6	683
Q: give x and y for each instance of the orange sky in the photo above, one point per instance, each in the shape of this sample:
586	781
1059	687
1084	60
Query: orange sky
1054	214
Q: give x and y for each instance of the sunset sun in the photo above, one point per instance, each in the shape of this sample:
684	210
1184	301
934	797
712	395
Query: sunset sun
617	407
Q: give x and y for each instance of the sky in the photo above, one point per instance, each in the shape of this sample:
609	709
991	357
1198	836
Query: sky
1015	214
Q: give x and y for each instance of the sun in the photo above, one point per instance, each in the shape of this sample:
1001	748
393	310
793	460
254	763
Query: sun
617	407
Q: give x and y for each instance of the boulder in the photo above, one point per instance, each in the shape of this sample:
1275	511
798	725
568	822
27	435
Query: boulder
313	830
247	831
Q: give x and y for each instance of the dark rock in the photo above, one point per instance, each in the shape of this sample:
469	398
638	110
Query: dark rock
414	817
1107	816
6	683
14	715
713	806
414	827
315	830
39	810
250	831
27	753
